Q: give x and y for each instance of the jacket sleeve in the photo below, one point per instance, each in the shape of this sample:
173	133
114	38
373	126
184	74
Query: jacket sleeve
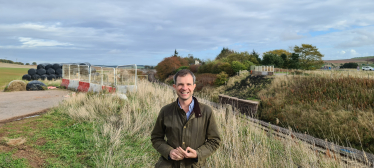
212	142
157	137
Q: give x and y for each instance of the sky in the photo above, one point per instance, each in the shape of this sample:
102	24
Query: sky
122	32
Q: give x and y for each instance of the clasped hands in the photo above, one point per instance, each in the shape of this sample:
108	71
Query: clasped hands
180	154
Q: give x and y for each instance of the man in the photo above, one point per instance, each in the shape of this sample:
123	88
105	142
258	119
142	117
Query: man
189	126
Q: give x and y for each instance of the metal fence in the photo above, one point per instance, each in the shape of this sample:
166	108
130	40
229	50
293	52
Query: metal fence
121	77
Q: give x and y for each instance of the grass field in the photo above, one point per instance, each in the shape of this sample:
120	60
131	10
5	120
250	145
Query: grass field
9	74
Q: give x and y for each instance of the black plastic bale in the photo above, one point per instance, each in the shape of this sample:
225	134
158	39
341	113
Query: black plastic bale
41	71
35	77
51	77
26	77
59	76
35	85
56	66
41	66
43	77
31	71
50	71
85	63
48	66
58	71
93	70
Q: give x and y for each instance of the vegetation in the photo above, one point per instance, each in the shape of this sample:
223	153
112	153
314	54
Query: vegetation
116	133
54	139
6	160
309	56
349	65
9	74
248	87
335	107
169	65
11	62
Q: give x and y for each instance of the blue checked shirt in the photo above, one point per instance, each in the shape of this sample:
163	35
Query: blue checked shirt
190	108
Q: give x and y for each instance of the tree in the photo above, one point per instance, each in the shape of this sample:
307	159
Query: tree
278	52
27	63
309	56
257	56
272	59
294	61
175	53
224	53
169	65
237	66
285	61
241	57
33	63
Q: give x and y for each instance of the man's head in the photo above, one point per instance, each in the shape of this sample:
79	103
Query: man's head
184	84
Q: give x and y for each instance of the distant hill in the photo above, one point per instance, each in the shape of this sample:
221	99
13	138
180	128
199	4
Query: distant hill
368	59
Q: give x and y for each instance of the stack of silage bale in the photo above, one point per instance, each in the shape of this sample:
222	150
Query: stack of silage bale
44	71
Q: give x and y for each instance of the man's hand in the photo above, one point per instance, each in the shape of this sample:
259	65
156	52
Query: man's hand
188	153
176	155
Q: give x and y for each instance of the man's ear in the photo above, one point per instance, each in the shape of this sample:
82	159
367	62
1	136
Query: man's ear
194	86
174	86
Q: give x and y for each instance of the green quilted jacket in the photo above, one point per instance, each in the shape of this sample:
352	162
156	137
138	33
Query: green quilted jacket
199	132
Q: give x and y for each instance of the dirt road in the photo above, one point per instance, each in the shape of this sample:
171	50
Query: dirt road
26	103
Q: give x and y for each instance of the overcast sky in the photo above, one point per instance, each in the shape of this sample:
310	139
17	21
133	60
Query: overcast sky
144	32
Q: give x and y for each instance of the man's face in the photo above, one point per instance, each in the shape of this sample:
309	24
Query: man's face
184	87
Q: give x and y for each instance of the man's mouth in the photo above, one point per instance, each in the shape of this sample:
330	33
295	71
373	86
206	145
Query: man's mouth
184	93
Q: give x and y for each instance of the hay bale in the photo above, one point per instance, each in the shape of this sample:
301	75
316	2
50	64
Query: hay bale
58	71
36	85
43	77
56	66
26	77
51	77
15	85
31	72
48	66
41	66
50	71
41	71
35	77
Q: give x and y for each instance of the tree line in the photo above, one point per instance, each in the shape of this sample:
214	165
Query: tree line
13	62
229	62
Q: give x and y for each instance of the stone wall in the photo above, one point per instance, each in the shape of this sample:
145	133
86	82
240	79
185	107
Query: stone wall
247	107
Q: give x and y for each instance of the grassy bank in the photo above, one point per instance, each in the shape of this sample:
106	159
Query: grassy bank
50	140
339	109
116	133
122	133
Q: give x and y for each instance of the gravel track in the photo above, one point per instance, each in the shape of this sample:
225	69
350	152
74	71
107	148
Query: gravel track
16	105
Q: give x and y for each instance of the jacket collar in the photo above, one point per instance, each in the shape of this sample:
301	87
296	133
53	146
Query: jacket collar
196	108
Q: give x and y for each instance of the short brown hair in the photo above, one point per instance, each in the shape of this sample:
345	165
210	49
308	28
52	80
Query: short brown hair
182	73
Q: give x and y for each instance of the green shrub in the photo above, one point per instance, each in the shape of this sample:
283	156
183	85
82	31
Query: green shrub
237	66
221	78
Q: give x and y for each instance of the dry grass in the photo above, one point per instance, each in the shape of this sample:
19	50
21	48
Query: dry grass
328	106
123	128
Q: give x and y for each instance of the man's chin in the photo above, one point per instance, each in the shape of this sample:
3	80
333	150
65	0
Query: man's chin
185	98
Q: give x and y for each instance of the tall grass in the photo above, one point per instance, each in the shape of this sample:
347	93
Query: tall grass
123	127
334	107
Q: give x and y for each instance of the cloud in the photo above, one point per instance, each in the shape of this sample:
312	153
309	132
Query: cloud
342	52
29	42
152	29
